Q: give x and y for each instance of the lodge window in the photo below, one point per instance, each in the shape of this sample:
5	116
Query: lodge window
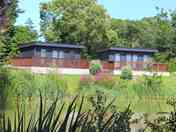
111	57
43	52
123	58
140	58
54	54
61	54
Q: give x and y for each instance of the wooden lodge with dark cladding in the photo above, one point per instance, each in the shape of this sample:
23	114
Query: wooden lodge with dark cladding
137	58
50	54
50	50
127	54
67	56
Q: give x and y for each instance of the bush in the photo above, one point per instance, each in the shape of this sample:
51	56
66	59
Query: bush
86	81
95	68
100	79
105	80
126	73
172	65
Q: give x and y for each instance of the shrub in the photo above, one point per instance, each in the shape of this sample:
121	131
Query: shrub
172	65
165	123
105	80
100	79
86	81
95	68
126	73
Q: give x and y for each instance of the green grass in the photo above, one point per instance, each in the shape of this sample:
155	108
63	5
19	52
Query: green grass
125	92
128	95
72	83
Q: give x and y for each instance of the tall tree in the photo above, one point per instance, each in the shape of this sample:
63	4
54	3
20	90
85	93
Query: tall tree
8	12
83	22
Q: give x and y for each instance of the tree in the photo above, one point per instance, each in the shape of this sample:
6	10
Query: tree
127	31
153	32
82	22
8	13
24	34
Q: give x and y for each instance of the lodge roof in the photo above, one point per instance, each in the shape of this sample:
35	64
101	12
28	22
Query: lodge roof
51	44
129	50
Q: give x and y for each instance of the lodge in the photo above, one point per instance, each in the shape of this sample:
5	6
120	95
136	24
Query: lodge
40	56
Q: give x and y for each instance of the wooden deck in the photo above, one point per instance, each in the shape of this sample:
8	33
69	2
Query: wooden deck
84	64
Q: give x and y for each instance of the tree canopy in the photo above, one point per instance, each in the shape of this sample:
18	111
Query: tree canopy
83	22
10	35
87	23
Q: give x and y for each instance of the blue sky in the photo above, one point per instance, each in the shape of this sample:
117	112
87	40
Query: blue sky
124	9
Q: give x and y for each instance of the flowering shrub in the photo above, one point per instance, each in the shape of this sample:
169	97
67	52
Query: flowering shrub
85	81
100	79
104	80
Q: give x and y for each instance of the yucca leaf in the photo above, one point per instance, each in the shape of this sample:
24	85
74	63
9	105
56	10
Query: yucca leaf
9	128
57	119
84	123
40	114
64	124
107	122
72	118
108	106
78	115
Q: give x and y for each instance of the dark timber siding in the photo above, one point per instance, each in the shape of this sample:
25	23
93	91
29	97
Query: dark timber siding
26	52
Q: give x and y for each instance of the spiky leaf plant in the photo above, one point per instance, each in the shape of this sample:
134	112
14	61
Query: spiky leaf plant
73	120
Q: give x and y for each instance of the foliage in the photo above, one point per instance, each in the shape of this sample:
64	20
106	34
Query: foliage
101	80
23	34
73	121
99	107
126	73
172	65
86	81
82	22
149	86
87	23
5	90
165	123
27	84
54	85
8	17
8	12
105	80
95	68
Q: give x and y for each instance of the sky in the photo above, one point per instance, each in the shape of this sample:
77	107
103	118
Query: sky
123	9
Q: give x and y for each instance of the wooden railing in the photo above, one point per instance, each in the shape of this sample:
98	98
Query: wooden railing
137	66
22	62
84	64
46	62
